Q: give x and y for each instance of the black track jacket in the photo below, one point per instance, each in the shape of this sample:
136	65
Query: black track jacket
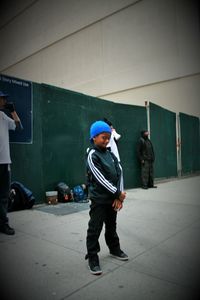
104	175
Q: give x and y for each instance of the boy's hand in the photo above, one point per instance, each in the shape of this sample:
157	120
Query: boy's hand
122	196
117	205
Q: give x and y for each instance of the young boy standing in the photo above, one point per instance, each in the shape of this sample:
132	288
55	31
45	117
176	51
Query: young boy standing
106	195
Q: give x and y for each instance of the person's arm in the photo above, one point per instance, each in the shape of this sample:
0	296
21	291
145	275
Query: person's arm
116	135
17	120
10	106
152	151
139	151
121	193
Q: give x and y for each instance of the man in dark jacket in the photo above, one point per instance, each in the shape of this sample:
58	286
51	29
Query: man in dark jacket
146	157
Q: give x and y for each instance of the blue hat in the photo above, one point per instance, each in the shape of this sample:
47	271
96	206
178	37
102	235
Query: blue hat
2	94
99	127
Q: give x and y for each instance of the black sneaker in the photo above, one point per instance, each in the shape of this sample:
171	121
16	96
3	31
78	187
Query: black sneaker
153	186
5	228
93	264
119	255
144	187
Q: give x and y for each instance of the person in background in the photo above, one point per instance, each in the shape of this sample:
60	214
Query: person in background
146	157
106	195
112	145
6	124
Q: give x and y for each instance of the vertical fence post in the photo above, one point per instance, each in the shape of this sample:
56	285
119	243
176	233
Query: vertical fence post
178	146
148	118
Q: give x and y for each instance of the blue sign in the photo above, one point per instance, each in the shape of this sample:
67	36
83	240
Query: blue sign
20	93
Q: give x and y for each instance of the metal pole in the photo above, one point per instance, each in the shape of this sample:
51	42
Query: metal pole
178	146
148	118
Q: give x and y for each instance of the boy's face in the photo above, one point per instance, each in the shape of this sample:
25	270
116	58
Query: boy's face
102	139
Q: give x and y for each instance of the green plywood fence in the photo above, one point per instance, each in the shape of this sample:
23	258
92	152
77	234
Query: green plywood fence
163	136
67	117
61	122
190	143
66	120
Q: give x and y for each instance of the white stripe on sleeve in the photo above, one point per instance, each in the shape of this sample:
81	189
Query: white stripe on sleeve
99	176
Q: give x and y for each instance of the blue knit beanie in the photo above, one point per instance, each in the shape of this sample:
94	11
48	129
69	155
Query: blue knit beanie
99	127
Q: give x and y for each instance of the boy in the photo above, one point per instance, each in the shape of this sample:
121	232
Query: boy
106	195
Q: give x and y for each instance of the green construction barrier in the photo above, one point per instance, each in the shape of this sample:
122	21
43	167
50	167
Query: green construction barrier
60	137
190	143
61	123
67	117
163	137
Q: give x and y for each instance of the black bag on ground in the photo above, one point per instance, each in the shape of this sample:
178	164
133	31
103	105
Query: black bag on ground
20	197
64	192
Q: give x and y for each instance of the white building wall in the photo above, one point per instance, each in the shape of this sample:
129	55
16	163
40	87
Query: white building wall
178	95
44	22
125	51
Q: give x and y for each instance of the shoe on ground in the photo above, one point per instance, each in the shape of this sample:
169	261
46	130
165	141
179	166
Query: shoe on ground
5	228
119	255
145	187
94	267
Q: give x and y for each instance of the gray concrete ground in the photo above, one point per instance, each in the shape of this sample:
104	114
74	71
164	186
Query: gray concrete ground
159	229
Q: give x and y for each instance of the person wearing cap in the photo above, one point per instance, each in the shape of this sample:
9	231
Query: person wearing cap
146	157
6	124
106	195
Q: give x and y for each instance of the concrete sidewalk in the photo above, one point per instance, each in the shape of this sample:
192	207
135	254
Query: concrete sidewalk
158	228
